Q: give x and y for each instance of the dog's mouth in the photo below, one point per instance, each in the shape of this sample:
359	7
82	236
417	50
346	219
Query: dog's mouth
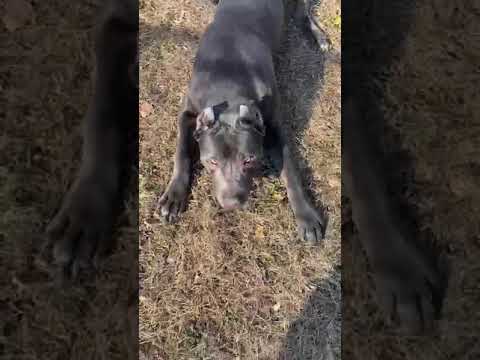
222	210
230	206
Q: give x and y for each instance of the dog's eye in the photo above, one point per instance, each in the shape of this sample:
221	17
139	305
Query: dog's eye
246	122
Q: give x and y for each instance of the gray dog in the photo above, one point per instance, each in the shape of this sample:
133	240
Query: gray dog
231	113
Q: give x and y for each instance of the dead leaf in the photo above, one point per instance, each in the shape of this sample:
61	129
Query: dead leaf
260	232
278	196
145	109
276	307
17	14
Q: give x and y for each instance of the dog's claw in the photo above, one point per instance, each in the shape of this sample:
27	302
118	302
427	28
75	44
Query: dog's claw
173	202
310	225
414	312
324	45
74	233
409	289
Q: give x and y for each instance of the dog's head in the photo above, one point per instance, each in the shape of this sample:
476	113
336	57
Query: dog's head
230	139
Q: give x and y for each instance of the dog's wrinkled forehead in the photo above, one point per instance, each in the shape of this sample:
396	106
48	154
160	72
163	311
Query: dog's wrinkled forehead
229	132
228	144
230	116
241	117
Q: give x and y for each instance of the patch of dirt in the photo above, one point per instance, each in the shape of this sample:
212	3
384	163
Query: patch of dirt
238	286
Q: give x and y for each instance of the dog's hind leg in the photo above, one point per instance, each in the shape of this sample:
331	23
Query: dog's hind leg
305	18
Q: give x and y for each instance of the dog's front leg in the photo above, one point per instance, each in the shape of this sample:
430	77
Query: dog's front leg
174	200
306	19
406	280
310	223
82	227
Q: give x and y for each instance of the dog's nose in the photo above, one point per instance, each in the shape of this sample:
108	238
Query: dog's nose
231	202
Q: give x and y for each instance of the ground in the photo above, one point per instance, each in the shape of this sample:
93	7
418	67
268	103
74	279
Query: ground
238	286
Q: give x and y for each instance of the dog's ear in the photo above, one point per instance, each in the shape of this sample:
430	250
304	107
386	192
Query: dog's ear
244	111
208	118
250	117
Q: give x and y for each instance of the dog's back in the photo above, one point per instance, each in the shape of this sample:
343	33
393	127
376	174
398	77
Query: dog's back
234	58
263	18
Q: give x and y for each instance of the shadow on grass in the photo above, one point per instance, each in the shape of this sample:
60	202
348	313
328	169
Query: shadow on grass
310	336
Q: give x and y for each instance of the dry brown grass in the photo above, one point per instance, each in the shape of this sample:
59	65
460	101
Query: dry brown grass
431	111
45	85
236	286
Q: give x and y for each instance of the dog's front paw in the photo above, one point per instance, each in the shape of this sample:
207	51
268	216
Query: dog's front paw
310	224
82	228
174	201
409	288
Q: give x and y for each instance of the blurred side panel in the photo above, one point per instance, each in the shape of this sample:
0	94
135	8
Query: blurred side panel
410	136
68	179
